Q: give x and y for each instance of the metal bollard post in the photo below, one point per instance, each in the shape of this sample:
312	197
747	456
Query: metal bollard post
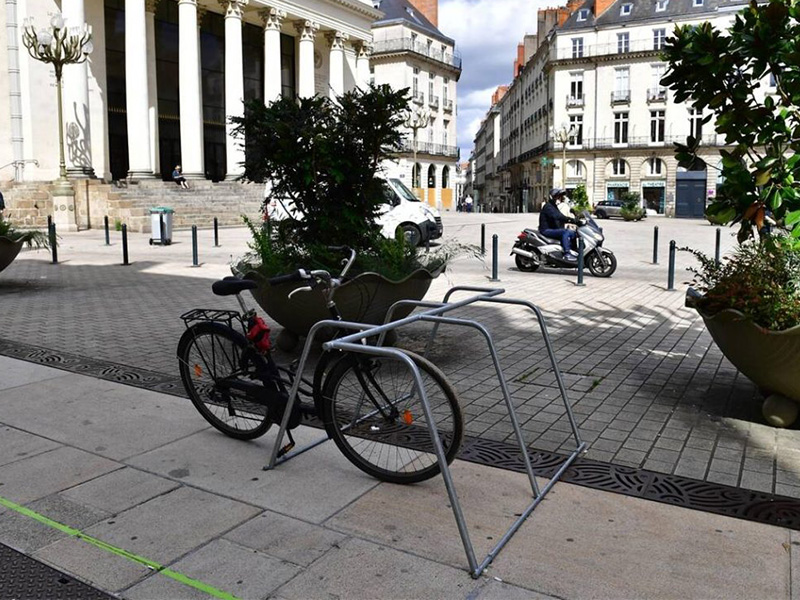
483	239
49	223
216	233
161	232
494	258
719	241
51	231
108	236
195	263
125	245
655	245
581	250
671	275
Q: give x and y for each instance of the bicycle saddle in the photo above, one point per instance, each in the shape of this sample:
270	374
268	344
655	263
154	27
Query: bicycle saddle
232	285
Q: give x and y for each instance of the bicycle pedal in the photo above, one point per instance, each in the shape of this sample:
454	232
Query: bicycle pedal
286	449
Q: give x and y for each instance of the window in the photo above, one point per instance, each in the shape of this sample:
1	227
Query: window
576	86
657	90
621	128
623	42
577	47
431	79
659	38
697	3
576	168
661	5
583	14
576	124
372	75
657	118
695	123
430	131
625	9
444	133
415	82
622	88
655	166
445	85
413	41
618	166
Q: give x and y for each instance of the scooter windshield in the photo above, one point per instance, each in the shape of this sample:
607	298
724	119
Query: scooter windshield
590	221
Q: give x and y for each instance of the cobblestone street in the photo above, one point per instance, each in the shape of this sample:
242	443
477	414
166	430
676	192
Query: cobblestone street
648	386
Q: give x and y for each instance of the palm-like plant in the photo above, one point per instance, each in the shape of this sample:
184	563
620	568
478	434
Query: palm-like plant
31	237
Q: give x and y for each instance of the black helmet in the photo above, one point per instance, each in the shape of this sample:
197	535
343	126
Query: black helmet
556	192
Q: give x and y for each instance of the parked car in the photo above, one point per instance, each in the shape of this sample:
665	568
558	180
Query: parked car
607	208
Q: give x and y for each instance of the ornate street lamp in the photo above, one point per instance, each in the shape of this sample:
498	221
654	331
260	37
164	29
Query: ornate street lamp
562	134
59	46
417	119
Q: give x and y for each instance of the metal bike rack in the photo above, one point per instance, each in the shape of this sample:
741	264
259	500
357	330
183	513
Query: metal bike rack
354	342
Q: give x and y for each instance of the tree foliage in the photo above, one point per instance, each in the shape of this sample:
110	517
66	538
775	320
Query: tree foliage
724	72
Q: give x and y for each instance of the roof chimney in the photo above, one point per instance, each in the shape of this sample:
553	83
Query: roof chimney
601	6
429	8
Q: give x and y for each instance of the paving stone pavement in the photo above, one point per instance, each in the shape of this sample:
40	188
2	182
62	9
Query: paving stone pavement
647	385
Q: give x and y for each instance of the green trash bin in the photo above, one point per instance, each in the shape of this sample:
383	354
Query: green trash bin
158	215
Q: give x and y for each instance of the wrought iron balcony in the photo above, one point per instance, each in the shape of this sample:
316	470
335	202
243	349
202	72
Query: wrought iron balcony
657	95
430	148
621	97
418	97
566	52
408	45
448	106
574	101
433	101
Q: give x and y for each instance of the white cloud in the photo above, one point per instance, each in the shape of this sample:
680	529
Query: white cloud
486	33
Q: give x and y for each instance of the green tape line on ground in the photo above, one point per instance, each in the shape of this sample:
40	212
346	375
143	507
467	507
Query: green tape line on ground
179	577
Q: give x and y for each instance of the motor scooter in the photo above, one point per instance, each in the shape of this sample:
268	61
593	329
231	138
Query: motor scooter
532	250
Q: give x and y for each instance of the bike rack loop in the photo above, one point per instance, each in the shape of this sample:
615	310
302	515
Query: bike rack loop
349	343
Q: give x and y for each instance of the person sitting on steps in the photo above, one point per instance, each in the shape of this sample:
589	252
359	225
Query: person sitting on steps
552	221
178	177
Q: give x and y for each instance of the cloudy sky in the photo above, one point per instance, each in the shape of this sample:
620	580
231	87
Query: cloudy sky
486	33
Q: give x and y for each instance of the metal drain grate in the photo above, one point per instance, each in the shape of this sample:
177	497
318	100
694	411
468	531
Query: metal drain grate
24	578
650	485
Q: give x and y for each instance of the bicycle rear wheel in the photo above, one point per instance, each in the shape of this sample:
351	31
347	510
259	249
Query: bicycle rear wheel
211	358
374	414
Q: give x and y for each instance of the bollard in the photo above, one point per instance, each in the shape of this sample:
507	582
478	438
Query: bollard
125	245
49	222
51	231
161	239
716	252
671	275
108	237
194	246
483	239
655	245
581	250
216	233
494	258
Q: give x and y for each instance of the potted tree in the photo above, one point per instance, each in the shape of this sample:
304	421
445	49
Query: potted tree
321	159
744	78
632	207
12	240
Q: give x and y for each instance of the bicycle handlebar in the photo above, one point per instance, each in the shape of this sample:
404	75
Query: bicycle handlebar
299	275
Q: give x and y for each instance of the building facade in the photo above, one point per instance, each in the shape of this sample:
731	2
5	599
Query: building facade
588	108
164	77
410	52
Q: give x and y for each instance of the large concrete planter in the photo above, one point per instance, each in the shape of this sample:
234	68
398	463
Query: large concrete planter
365	298
770	359
8	251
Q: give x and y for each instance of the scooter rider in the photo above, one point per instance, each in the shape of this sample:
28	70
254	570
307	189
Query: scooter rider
552	221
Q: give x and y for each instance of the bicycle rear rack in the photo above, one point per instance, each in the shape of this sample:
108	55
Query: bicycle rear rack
433	314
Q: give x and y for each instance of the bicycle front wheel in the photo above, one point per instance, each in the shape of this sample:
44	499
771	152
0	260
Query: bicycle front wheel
374	414
220	376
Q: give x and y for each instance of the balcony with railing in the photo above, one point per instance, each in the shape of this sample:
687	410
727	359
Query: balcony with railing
408	45
433	101
418	97
430	148
658	94
448	106
646	142
592	50
621	97
574	101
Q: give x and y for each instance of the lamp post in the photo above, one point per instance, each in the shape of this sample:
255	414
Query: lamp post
59	46
562	135
417	119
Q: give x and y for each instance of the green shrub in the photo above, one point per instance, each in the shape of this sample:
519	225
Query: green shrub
631	207
580	199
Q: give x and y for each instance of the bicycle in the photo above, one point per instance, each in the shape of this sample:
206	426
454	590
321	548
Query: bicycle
368	405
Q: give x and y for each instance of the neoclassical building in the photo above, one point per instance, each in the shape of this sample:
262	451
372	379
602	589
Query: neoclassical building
165	76
410	52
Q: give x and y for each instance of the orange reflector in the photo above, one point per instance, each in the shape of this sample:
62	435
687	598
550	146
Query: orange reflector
407	418
198	371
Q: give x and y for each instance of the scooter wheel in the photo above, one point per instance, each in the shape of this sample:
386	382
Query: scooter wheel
528	265
601	268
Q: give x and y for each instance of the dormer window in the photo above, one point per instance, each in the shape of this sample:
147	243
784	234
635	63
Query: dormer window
661	5
583	14
625	10
697	3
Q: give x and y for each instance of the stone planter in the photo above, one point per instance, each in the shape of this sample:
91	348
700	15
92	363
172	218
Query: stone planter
770	359
8	251
365	298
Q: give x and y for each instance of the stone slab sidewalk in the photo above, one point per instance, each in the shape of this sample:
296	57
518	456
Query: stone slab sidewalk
143	473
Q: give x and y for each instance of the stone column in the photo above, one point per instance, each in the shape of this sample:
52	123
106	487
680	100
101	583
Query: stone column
77	131
363	52
272	19
305	80
152	83
336	39
137	95
234	83
190	98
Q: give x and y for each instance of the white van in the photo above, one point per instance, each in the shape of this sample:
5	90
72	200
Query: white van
420	222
